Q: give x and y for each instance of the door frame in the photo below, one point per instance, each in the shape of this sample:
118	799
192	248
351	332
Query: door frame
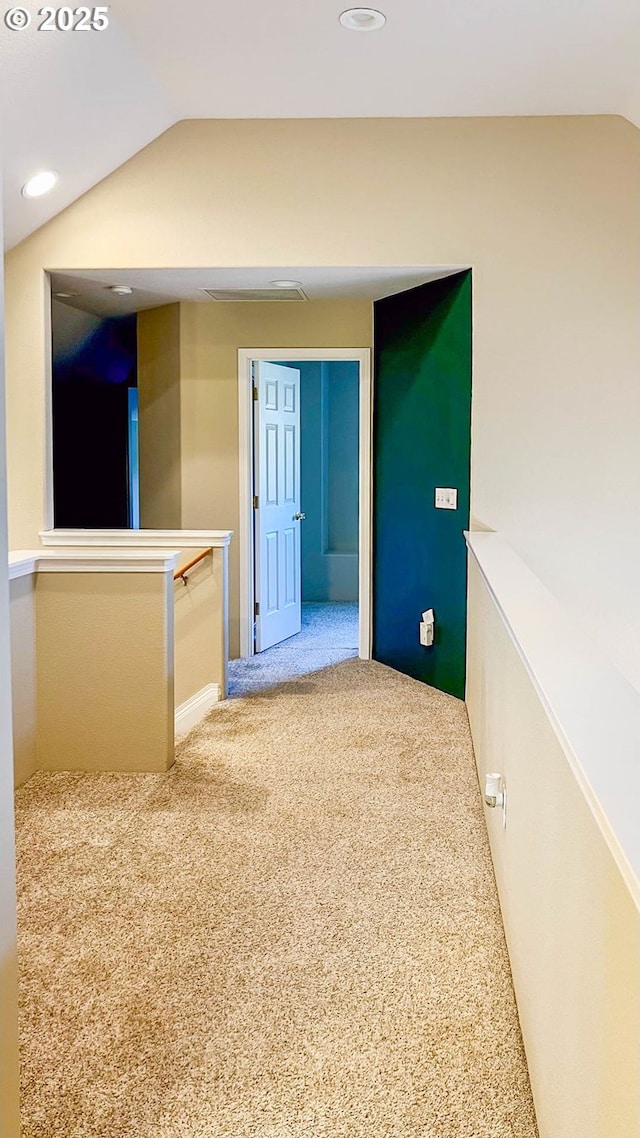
246	357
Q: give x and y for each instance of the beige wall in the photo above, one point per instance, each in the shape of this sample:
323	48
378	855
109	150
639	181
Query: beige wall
210	337
572	927
23	676
105	671
200	643
188	391
9	1065
159	417
103	642
545	210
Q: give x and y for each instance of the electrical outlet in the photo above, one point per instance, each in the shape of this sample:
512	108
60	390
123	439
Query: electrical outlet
426	634
495	794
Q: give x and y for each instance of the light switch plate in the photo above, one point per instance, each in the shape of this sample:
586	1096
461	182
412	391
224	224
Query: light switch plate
446	498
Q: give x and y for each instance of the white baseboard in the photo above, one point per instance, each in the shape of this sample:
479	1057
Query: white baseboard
190	713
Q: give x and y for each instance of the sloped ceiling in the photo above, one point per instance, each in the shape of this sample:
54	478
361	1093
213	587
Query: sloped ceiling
82	103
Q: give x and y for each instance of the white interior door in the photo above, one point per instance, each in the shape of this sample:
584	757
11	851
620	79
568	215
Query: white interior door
277	503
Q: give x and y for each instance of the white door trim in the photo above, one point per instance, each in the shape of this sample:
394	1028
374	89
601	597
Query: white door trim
48	406
246	356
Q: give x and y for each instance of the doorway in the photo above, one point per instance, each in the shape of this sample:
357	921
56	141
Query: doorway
411	549
324	582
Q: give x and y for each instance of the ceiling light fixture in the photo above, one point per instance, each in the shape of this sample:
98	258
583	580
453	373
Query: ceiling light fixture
120	290
40	184
286	284
363	19
65	295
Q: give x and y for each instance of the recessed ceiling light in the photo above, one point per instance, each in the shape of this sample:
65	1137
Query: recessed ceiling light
120	290
286	284
363	19
39	184
65	295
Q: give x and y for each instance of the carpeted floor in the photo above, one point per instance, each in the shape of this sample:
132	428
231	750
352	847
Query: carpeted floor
292	934
329	635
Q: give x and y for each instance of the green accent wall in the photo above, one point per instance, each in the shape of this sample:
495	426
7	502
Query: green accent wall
422	439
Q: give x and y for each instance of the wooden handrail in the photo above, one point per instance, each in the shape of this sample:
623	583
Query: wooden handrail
179	574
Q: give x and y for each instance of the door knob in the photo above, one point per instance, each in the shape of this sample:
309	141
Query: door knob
299	517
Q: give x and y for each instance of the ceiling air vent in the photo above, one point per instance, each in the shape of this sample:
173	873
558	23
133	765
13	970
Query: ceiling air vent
255	293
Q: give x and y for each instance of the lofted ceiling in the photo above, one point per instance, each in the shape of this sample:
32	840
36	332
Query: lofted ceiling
82	103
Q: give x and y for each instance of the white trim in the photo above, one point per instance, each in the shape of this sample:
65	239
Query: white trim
23	562
21	565
48	402
246	356
593	709
245	498
108	538
225	621
193	710
365	508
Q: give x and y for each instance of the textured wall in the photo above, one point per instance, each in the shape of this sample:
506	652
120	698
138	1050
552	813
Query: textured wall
422	435
210	337
103	642
9	1068
159	418
572	928
200	645
105	671
23	676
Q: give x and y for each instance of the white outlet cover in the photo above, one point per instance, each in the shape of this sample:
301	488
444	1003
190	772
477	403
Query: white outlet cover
446	498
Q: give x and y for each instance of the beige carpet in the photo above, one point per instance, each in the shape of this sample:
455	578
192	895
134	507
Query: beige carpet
293	934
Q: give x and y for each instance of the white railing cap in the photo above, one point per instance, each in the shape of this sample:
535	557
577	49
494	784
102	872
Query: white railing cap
593	708
23	562
141	538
